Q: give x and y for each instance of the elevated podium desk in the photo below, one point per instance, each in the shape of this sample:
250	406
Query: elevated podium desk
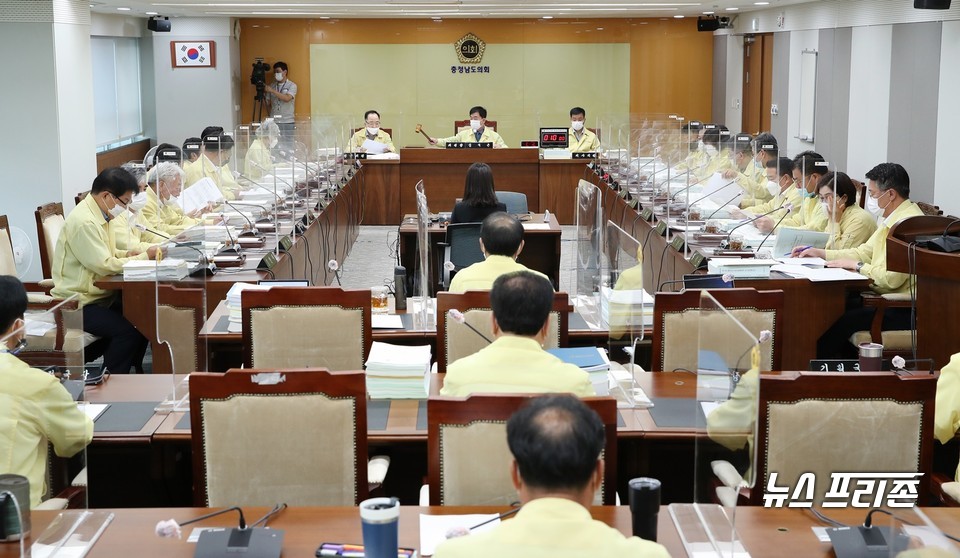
938	284
443	172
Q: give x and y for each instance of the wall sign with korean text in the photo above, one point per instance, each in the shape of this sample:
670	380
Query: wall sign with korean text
470	49
193	54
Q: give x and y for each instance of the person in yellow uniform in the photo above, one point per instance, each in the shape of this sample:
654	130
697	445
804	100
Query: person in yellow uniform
258	160
36	411
716	146
889	200
808	168
946	418
478	132
580	138
191	151
85	253
515	362
127	235
696	157
501	241
162	211
849	225
751	179
779	175
214	156
556	442
372	132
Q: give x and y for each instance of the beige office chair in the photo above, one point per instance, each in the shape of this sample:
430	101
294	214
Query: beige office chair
468	457
50	222
676	325
180	315
266	436
296	327
455	340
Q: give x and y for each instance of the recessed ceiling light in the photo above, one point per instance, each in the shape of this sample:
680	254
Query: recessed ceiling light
599	28
708	13
151	13
123	9
761	3
547	17
436	18
678	17
732	9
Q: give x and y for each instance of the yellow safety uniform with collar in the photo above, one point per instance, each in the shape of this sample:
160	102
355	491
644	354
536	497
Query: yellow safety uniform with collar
789	196
808	216
855	227
467	136
586	142
356	142
221	176
946	418
481	275
258	161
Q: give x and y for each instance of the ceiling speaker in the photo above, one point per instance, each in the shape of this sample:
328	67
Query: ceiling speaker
159	24
705	24
931	4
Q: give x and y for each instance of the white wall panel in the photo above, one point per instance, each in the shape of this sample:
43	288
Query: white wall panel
870	53
946	192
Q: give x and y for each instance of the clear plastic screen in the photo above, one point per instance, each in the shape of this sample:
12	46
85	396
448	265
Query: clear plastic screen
727	364
423	307
50	340
587	245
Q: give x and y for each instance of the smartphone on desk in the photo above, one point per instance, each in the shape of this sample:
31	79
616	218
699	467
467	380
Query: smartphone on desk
356	551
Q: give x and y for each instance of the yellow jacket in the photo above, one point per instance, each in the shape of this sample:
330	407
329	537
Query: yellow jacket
221	176
513	364
588	141
34	410
873	253
481	275
732	423
127	238
855	227
168	219
718	162
808	216
550	528
753	181
258	161
946	418
356	142
791	195
467	136
85	253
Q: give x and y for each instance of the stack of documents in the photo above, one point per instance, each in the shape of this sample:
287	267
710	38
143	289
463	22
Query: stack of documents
210	233
741	268
199	195
626	308
398	371
170	269
592	360
235	317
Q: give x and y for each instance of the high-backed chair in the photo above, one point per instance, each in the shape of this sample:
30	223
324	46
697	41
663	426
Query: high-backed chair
460	249
676	326
8	264
297	327
267	436
516	202
79	197
468	460
455	341
461	125
49	224
834	422
180	315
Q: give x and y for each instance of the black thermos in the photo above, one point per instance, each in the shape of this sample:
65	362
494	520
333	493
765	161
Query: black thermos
645	506
400	287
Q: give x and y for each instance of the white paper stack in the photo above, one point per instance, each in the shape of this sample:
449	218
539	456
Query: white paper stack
235	317
198	195
626	308
398	371
209	233
170	269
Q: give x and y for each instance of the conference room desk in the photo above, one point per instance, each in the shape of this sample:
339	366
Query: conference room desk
764	532
541	248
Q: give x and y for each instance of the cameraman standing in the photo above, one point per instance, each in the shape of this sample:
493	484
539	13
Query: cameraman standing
283	93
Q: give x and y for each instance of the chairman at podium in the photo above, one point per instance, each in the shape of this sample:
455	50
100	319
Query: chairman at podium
478	132
582	140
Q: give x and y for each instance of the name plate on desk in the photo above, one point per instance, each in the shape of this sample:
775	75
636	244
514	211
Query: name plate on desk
268	262
646	214
698	260
677	243
469	145
585	155
286	243
661	228
355	155
633	202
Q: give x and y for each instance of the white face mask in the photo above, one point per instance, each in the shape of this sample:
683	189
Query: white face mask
139	202
373	131
576	125
116	211
873	206
132	219
278	76
773	188
700	145
710	150
273	142
475	125
172	201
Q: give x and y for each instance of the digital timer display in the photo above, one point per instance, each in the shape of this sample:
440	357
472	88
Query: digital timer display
554	138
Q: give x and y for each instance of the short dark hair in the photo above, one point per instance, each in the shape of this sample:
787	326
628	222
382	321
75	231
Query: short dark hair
367	114
741	144
479	110
766	139
280	65
578	111
521	302
220	141
891	175
478	187
13	301
806	163
784	166
167	152
501	234
556	441
211	131
191	146
841	185
115	180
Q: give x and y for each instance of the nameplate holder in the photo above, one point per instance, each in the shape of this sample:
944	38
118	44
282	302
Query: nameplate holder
677	243
469	145
268	262
661	228
698	260
286	243
356	155
646	214
585	155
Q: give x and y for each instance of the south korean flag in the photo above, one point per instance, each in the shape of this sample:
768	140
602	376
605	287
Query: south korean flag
193	54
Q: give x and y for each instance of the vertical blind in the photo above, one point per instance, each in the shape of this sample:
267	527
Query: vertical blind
116	89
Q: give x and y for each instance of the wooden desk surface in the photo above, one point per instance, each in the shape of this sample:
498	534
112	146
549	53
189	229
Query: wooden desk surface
764	532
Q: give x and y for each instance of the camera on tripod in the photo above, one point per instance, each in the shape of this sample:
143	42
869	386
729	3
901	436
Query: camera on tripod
258	76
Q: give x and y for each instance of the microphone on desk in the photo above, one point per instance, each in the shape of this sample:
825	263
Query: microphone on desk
777	224
205	266
726	277
687	187
253	227
246	540
458	317
700	199
717	210
786	207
